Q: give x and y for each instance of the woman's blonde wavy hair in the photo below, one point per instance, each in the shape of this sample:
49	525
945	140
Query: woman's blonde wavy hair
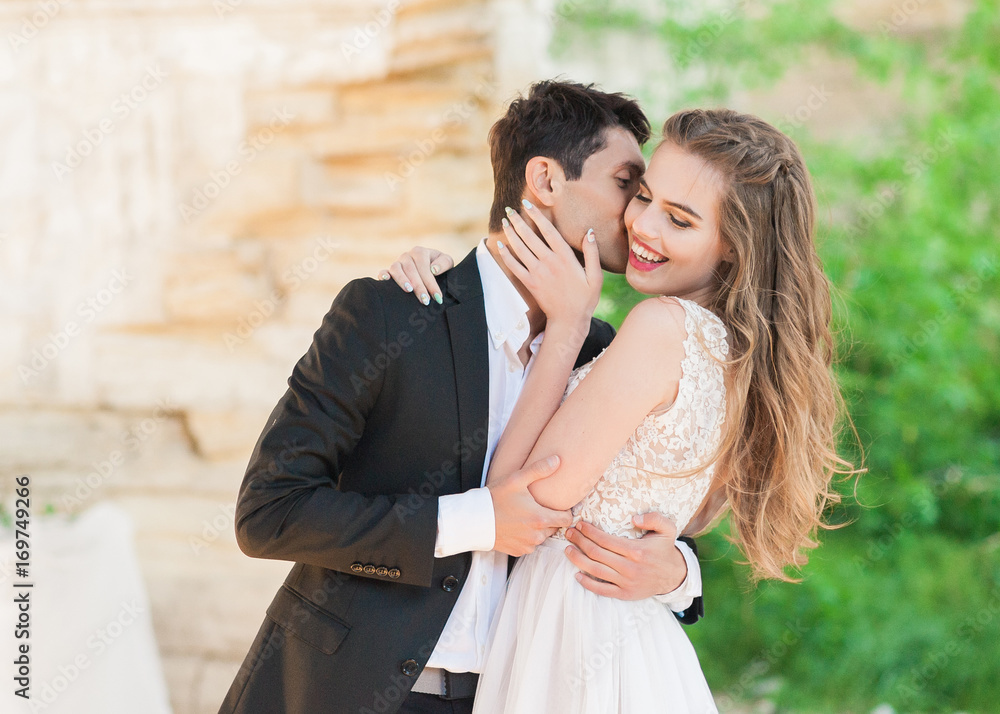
778	456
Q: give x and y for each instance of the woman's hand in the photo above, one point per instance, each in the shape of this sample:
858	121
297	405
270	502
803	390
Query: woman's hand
566	292
414	271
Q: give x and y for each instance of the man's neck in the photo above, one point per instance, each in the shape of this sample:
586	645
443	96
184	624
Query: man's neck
536	318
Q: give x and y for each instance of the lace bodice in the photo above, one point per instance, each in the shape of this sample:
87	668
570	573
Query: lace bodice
678	438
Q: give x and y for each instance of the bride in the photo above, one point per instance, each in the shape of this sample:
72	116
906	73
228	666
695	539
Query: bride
715	393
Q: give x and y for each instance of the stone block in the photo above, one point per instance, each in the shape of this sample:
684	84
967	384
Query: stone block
435	201
351	185
215	286
226	434
214	367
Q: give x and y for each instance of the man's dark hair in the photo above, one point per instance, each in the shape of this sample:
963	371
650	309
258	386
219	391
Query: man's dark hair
564	121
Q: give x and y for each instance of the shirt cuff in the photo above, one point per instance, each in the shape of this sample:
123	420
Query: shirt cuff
681	598
465	522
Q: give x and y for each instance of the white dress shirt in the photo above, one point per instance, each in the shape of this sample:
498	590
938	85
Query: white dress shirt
466	521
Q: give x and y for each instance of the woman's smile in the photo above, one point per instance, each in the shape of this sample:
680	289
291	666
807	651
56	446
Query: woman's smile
642	257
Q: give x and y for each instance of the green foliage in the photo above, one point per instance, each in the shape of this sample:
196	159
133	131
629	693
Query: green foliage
903	605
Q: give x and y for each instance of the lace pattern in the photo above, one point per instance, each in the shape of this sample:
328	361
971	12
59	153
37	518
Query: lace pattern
677	439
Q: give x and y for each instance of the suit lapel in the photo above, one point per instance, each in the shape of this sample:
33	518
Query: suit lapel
466	320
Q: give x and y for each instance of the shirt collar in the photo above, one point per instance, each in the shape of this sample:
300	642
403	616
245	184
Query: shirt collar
506	310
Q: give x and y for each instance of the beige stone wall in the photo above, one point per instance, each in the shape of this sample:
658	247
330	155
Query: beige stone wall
184	187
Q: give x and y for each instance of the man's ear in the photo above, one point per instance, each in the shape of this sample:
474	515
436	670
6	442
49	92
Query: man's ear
544	180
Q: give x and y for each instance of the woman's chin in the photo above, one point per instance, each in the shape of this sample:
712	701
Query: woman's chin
640	285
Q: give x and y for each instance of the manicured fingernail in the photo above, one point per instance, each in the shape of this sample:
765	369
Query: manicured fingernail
407	287
509	210
590	236
435	270
384	276
505	223
425	299
527	203
499	245
437	298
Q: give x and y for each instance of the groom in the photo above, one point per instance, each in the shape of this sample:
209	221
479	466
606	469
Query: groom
369	473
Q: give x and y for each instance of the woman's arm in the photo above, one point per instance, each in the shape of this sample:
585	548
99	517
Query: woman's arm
639	371
567	294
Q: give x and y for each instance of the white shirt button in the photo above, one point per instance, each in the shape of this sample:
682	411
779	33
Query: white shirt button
520	324
500	337
484	580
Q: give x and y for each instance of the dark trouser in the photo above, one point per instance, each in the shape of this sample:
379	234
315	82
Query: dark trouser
418	703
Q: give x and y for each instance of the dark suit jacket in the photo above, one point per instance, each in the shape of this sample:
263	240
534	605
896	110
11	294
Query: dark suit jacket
387	411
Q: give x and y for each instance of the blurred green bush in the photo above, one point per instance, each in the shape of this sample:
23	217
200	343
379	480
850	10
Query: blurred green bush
902	606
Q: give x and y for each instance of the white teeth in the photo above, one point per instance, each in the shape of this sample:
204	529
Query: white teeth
646	255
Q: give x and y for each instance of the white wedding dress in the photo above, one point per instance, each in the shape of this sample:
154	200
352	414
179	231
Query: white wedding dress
557	648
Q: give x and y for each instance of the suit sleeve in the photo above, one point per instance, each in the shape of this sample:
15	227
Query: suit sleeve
696	610
289	506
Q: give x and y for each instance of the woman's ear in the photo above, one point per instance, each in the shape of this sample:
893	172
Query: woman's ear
543	180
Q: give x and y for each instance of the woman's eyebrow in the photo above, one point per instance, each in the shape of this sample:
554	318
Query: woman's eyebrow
687	209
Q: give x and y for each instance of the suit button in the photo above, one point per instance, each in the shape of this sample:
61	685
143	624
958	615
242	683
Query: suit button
449	583
410	668
381	571
357	567
369	569
394	573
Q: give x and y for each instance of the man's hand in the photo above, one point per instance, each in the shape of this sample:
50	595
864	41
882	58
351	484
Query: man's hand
521	523
633	569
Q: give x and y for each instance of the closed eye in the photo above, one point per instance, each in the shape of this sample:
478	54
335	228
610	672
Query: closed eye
678	223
